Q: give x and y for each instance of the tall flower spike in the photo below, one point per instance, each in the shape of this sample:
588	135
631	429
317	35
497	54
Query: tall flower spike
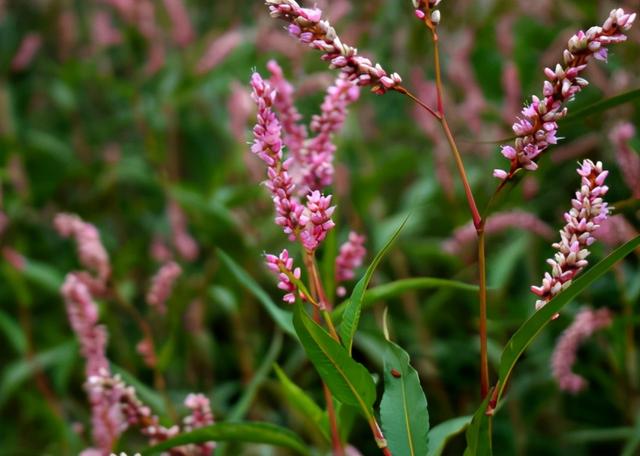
267	145
588	210
282	265
318	169
537	127
307	25
586	323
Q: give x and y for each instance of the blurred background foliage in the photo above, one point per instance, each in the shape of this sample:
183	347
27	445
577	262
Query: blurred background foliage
117	118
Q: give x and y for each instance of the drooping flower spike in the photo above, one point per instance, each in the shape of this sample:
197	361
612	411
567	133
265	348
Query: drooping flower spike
282	265
307	25
537	128
588	210
587	322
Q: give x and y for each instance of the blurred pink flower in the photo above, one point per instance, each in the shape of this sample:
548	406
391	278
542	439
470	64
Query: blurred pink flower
218	49
184	243
14	258
615	230
162	285
586	323
200	416
146	350
349	258
240	108
182	30
159	250
627	158
104	33
91	252
27	50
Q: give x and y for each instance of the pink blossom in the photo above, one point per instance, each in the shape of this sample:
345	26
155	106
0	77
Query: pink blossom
27	50
218	49
201	416
316	219
14	258
91	252
349	258
587	211
182	29
627	158
307	25
162	285
184	243
267	146
319	151
586	323
282	265
295	133
104	33
537	127
146	350
83	316
159	250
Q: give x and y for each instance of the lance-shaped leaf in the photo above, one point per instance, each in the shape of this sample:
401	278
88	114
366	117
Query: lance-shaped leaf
441	434
403	410
348	380
235	432
477	432
306	406
351	314
281	317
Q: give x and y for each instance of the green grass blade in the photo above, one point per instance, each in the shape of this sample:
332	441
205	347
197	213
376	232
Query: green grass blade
603	105
398	287
403	410
351	313
349	381
235	432
281	317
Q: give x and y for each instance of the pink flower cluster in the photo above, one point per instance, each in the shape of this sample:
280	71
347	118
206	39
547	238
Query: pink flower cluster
587	211
627	158
283	266
83	316
307	25
320	149
586	323
91	252
184	243
162	284
309	222
201	416
349	258
537	128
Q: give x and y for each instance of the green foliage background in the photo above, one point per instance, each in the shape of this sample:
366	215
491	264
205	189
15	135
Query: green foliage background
172	130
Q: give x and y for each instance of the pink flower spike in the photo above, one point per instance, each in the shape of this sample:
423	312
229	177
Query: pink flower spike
349	258
307	25
564	356
282	266
587	211
162	285
537	128
200	416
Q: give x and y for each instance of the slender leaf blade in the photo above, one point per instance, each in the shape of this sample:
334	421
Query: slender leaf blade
441	434
348	380
397	287
301	402
351	316
603	105
403	410
281	317
235	432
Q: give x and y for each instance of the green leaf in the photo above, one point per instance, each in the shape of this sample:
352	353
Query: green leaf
349	381
523	337
396	288
403	410
603	105
306	406
351	315
13	332
443	432
43	275
235	432
16	373
281	317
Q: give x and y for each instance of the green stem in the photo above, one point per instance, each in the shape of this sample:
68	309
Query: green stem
484	360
